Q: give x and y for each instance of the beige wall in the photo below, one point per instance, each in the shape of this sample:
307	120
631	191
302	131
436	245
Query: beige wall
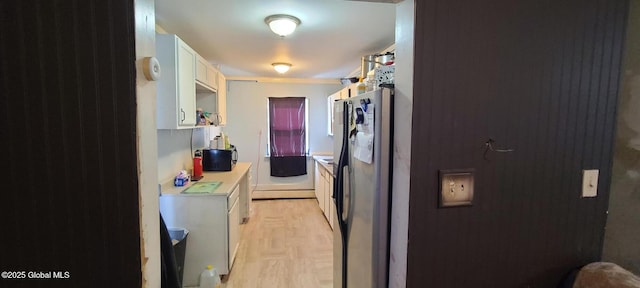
247	126
623	224
147	147
174	150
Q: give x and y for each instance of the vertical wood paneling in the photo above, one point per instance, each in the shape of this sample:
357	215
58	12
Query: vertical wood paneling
540	77
70	201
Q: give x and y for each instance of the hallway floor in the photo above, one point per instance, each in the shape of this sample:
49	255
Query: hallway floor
285	243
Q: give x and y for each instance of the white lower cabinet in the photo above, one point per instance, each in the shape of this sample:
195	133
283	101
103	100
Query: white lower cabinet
326	197
233	222
317	181
322	187
324	191
213	222
332	208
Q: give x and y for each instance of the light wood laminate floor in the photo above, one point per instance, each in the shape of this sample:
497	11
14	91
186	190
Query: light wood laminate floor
286	243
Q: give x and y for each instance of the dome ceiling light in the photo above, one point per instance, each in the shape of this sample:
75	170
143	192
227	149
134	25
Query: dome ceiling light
281	24
281	67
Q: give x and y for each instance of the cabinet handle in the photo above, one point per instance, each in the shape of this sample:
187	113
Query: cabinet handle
184	115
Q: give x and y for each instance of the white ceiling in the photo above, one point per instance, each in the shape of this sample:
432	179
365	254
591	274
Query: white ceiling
329	43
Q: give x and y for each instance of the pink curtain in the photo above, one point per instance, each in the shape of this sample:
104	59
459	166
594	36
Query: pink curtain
287	136
287	116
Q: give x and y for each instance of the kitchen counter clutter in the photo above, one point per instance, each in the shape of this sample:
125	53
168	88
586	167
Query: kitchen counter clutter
212	219
229	180
324	186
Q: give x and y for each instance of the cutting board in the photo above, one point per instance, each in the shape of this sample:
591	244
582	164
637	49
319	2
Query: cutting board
202	187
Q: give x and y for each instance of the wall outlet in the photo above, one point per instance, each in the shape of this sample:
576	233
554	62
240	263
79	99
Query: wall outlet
590	183
456	188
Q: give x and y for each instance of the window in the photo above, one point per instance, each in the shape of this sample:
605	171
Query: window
287	126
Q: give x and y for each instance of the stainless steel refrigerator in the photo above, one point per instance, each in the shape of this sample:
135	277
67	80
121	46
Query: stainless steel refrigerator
363	137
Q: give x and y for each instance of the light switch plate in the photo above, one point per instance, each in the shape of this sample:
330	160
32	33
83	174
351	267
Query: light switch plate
590	183
456	188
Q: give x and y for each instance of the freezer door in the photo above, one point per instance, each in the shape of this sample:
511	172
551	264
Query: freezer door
367	193
360	224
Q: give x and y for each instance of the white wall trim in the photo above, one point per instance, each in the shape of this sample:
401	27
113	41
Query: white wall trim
307	185
283	194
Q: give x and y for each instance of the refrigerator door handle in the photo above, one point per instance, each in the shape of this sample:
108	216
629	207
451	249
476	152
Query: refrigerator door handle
346	194
343	169
338	189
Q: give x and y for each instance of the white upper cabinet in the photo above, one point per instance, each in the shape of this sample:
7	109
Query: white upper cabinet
344	93
176	103
330	101
188	82
222	99
214	101
206	75
212	76
201	69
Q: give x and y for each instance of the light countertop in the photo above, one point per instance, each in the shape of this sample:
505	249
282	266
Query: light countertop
321	160
229	181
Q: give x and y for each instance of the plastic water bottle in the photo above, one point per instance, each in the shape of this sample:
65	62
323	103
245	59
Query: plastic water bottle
221	143
209	278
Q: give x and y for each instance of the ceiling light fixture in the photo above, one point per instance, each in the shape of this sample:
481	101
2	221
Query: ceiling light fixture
281	67
281	24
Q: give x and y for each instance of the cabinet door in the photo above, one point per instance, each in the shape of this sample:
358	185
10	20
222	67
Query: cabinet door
234	231
186	85
332	205
332	98
222	99
322	183
344	93
317	181
206	218
201	69
212	76
245	196
176	97
327	197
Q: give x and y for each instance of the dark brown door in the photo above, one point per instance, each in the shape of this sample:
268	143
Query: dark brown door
69	196
537	77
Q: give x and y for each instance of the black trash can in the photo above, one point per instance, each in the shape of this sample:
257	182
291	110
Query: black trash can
179	240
